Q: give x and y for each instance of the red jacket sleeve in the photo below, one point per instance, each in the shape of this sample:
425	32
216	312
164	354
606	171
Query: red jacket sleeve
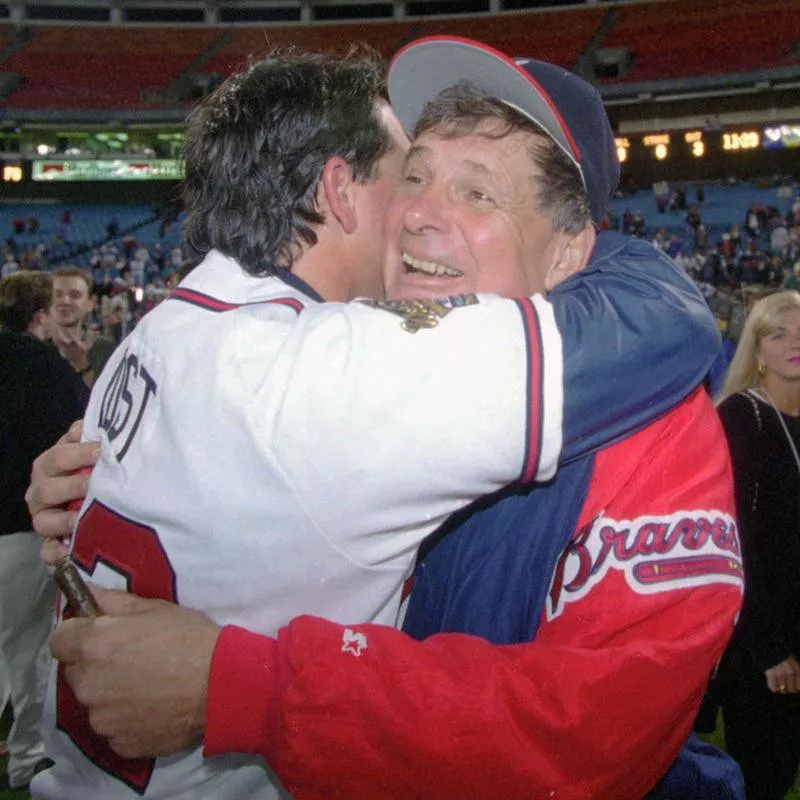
456	717
597	706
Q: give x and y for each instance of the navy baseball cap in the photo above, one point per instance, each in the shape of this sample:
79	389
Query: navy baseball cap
567	108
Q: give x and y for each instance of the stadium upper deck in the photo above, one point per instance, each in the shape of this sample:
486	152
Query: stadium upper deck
121	66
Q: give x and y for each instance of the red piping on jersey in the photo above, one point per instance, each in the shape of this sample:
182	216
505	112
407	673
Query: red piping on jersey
530	322
213	304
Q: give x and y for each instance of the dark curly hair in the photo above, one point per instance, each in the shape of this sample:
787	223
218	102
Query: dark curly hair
22	294
255	150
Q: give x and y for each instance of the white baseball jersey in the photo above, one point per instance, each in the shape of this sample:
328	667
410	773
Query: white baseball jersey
265	455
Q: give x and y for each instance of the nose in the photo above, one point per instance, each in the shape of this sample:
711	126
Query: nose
426	211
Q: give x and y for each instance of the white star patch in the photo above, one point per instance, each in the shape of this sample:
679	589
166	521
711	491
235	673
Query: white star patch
353	642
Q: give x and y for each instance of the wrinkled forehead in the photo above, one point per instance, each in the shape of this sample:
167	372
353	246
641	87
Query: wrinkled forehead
487	139
492	126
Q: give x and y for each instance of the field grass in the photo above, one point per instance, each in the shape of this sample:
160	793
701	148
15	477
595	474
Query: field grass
716	738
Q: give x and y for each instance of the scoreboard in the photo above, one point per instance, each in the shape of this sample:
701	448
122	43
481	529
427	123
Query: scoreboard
72	170
646	158
704	153
82	180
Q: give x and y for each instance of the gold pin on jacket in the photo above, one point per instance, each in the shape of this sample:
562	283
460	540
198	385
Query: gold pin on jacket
419	314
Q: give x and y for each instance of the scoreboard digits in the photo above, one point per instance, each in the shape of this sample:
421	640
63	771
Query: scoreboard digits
697	146
722	149
11	172
658	143
741	140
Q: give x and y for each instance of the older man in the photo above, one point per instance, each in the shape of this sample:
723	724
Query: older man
435	414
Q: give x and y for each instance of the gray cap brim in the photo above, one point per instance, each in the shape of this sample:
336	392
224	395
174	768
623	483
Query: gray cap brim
424	68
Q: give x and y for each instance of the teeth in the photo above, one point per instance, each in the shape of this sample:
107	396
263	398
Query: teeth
430	267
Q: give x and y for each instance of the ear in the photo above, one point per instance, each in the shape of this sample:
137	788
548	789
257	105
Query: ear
336	193
37	327
572	255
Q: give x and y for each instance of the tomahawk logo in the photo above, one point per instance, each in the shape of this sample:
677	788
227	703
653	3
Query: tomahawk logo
656	554
353	642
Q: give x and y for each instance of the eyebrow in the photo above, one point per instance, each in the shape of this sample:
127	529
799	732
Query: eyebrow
421	151
416	150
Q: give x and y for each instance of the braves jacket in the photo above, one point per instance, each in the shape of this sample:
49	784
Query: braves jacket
628	623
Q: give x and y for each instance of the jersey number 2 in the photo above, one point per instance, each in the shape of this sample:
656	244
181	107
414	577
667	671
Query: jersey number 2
134	551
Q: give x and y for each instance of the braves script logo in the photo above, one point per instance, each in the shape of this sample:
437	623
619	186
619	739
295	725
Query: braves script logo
353	642
656	554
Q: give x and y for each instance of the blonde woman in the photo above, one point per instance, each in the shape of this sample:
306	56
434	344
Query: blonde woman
760	674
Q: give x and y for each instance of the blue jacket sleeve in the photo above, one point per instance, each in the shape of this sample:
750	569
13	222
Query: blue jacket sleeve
637	338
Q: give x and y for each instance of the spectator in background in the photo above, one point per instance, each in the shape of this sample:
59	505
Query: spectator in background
96	259
759	676
673	201
114	311
701	193
693	220
674	246
727	248
793	215
79	342
140	263
638	227
779	239
41	255
627	220
159	259
736	237
751	222
29	259
176	257
109	254
128	245
141	253
10	265
791	279
660	239
661	194
712	271
40	395
700	236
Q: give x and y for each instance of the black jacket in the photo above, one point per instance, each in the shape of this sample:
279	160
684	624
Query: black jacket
41	395
768	511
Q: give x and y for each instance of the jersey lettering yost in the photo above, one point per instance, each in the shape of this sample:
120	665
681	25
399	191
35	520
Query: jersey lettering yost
124	402
247	467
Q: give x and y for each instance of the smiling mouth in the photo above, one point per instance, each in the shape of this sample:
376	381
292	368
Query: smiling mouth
419	266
